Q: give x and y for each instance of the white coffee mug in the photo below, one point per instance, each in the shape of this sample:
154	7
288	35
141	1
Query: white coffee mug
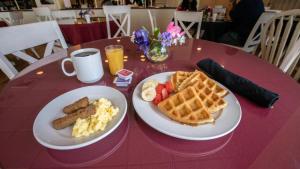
87	64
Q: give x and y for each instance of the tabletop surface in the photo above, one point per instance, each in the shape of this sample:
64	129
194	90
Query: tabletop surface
265	138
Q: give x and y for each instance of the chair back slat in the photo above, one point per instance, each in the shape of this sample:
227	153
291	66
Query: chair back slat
7	68
268	41
291	58
24	56
276	39
192	17
49	49
294	65
295	36
283	42
297	75
123	13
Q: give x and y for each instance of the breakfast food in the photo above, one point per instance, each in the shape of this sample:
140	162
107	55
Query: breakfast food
196	98
186	107
81	103
98	121
178	77
211	100
155	92
148	90
124	78
148	94
87	120
200	76
71	118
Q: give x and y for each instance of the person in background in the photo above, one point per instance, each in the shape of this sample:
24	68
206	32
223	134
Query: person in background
188	5
244	15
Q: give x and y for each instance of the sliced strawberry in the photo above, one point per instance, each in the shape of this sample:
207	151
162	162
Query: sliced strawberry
169	87
157	99
159	88
164	93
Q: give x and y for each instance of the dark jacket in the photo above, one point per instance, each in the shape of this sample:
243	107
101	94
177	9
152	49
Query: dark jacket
244	16
186	5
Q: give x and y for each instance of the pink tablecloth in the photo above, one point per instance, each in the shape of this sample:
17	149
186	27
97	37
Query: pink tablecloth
3	24
264	139
80	33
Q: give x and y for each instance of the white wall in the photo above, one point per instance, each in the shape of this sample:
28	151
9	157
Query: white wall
139	17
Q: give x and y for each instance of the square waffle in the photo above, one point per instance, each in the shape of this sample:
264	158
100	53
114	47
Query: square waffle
178	77
211	100
186	107
209	83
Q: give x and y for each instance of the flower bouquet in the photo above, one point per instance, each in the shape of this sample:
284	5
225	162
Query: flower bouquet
155	46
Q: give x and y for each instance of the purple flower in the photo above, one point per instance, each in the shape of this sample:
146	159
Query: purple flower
141	38
166	39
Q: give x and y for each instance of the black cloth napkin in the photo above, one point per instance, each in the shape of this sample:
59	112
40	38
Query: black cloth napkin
238	84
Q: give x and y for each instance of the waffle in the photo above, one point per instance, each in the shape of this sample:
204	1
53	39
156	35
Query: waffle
210	99
186	107
178	77
200	76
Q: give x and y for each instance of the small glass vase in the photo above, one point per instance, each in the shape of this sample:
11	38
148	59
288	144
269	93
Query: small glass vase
158	54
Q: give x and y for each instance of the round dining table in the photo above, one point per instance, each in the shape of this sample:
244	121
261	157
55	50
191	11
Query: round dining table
264	138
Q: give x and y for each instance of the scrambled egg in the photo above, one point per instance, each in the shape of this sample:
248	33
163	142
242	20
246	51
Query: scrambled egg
104	114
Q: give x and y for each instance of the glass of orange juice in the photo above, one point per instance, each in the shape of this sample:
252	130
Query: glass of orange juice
114	54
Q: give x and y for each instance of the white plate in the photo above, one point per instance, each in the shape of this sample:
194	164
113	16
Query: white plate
49	137
226	123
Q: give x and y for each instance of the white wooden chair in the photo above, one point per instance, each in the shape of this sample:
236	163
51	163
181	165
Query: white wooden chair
42	14
123	13
15	39
13	18
152	18
192	17
254	37
64	16
279	36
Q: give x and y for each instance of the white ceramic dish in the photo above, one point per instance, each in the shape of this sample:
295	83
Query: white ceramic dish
226	123
49	137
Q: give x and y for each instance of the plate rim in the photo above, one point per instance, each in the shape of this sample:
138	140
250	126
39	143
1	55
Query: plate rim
86	143
187	137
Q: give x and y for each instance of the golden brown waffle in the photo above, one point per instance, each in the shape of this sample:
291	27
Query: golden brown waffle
210	99
186	107
178	77
209	83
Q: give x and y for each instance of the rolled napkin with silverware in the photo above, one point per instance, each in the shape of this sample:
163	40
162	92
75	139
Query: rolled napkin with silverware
238	84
